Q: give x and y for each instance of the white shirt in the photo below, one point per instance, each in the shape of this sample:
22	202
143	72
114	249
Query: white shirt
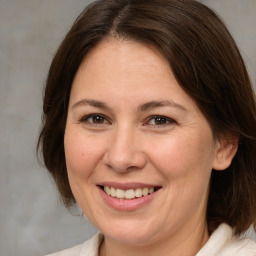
221	243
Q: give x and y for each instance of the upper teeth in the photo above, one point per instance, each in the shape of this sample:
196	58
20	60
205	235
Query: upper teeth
128	194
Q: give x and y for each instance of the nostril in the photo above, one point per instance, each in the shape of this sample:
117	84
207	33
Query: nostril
123	158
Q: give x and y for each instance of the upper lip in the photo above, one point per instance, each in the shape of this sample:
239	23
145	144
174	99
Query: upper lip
129	185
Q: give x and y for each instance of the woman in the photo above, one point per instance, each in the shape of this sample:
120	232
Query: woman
149	125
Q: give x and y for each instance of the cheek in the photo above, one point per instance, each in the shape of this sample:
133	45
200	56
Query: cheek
183	156
186	166
82	153
82	156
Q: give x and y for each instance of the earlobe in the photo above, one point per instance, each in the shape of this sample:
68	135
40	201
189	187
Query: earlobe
225	150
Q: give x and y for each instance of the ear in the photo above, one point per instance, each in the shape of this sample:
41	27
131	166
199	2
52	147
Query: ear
225	150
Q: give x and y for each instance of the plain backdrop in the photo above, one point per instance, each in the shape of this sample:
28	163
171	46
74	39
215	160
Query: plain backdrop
32	220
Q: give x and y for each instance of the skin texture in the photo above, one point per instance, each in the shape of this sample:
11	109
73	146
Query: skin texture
124	143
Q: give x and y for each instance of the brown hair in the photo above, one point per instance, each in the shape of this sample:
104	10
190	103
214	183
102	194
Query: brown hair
208	66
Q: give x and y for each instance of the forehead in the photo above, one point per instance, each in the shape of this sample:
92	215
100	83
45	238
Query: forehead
124	56
127	70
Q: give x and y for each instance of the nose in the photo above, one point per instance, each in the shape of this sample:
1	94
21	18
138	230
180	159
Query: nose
124	153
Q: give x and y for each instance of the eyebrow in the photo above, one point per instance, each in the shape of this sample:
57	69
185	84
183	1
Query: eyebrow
93	103
156	104
142	108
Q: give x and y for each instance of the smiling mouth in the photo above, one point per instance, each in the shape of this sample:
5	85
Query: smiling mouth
129	193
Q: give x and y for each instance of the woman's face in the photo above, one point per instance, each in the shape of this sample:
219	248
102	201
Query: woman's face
133	132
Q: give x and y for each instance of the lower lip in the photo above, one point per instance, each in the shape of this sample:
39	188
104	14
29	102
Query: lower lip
127	205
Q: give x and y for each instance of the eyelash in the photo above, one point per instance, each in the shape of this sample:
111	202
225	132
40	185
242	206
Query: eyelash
167	120
85	119
103	120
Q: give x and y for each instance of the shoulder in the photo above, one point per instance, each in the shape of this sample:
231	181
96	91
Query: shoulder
88	248
223	242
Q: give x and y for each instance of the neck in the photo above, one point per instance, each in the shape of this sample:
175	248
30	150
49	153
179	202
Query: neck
183	243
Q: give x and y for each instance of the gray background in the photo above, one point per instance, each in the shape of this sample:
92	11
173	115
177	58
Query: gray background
32	220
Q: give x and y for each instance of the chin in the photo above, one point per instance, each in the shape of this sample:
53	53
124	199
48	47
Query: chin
136	233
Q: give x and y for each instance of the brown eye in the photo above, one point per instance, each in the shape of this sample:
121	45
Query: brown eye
95	119
160	121
98	119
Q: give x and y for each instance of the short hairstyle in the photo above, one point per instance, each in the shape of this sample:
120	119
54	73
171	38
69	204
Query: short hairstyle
208	66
